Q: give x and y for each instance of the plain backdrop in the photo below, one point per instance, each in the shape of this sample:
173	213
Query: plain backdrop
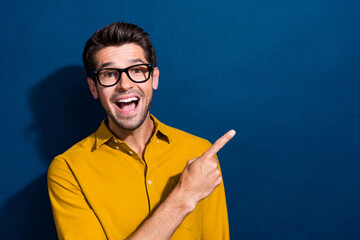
284	74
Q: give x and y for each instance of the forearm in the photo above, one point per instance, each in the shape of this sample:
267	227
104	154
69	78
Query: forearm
198	180
166	218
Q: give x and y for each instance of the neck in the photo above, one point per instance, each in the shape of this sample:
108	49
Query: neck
138	138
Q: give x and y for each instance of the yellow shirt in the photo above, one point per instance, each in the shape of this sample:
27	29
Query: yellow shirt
102	189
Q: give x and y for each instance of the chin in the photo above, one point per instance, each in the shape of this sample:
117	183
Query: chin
130	123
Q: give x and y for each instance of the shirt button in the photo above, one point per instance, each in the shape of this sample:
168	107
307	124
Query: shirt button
157	141
117	147
131	152
149	181
115	140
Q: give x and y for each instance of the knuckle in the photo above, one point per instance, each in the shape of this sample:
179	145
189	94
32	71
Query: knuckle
214	164
220	181
190	161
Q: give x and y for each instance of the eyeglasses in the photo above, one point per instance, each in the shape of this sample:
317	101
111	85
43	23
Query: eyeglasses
139	73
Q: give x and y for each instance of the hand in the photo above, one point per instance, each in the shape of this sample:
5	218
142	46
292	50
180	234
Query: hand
202	175
198	180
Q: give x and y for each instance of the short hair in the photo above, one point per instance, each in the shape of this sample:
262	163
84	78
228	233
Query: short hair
116	34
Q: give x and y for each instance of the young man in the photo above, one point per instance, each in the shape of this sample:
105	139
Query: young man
135	177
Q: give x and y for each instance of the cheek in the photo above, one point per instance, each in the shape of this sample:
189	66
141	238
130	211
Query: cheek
148	92
104	95
149	96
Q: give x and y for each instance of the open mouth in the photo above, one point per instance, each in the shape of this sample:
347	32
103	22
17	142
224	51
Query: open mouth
128	104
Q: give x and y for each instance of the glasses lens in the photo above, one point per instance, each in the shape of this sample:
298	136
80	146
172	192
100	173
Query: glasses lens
139	73
108	77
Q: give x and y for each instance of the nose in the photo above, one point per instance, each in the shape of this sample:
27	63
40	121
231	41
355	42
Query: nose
125	83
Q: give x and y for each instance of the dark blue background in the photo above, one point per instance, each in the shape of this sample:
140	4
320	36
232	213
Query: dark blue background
284	74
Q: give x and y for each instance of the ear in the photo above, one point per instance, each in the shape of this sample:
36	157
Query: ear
93	89
155	81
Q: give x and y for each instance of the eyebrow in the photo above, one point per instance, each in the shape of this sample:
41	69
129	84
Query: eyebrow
131	61
136	60
107	64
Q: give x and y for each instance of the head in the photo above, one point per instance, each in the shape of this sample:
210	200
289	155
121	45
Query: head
119	46
116	34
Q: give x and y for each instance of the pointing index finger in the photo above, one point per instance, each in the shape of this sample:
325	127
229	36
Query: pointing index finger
220	143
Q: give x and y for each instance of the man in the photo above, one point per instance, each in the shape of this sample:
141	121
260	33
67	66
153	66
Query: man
135	177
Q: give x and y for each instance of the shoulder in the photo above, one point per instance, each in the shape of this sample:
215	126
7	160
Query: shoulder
77	152
185	139
86	145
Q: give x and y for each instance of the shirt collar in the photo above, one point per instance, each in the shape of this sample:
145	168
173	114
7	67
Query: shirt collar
161	130
103	134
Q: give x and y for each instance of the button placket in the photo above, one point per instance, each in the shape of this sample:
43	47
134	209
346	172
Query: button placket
151	159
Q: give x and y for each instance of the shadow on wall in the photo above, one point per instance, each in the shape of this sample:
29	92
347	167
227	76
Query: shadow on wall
64	112
27	215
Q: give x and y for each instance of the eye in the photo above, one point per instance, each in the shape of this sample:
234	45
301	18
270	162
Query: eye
109	74
137	70
106	74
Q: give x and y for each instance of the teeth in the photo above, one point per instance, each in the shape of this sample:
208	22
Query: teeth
126	100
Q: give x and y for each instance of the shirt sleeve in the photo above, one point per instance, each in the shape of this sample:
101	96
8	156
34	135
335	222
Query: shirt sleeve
74	218
215	217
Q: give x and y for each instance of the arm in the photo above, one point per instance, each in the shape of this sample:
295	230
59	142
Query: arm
74	218
199	179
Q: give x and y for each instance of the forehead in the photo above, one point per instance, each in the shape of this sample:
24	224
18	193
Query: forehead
120	56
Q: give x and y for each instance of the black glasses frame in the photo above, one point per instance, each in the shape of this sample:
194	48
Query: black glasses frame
125	70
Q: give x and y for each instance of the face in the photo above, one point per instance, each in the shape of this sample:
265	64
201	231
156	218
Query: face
127	103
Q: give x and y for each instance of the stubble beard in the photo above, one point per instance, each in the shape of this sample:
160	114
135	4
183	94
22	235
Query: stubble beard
130	123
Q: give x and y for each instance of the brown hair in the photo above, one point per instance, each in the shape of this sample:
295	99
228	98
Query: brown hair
117	34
